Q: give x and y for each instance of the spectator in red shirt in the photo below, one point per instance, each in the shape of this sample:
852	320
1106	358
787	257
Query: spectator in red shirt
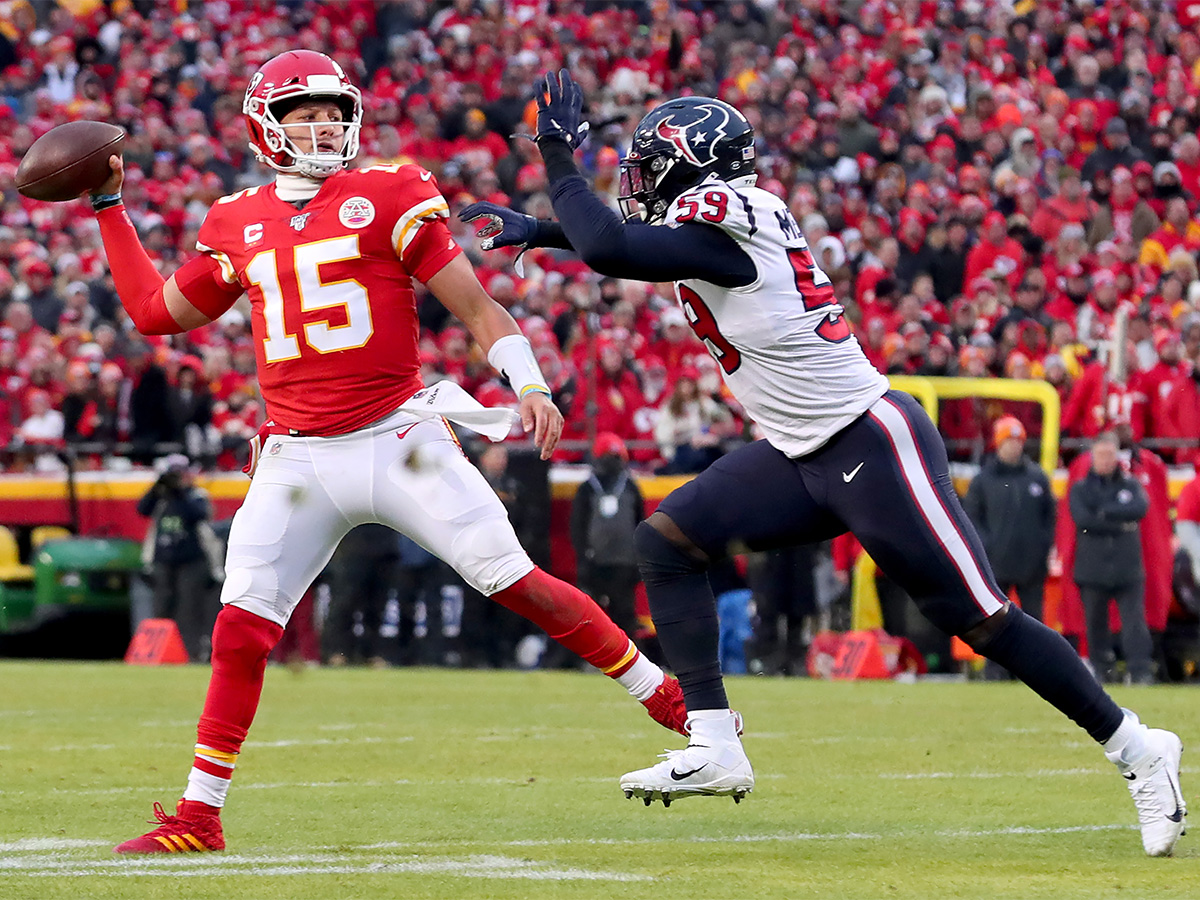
1187	523
480	148
678	345
1187	160
996	251
427	146
20	328
617	395
1069	204
1124	217
1181	414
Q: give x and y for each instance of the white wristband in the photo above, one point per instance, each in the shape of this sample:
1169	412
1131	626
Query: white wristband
513	355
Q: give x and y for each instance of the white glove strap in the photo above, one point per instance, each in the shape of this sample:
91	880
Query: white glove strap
513	355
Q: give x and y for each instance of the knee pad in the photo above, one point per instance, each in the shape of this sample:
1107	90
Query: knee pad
660	558
487	554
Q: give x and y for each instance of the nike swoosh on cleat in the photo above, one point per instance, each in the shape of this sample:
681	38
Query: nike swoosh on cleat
1129	776
1176	816
849	476
679	776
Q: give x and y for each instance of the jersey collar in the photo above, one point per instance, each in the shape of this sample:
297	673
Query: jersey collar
291	188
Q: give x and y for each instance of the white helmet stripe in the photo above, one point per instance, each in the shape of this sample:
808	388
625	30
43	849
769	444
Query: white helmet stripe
325	83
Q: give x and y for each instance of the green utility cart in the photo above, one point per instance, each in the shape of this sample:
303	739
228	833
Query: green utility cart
73	601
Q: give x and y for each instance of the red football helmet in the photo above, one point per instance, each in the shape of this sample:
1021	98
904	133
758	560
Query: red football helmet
300	74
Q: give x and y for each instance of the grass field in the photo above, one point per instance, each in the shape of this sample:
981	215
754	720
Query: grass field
444	784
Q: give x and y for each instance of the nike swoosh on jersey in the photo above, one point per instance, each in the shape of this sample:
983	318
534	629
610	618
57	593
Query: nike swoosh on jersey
425	176
849	476
404	431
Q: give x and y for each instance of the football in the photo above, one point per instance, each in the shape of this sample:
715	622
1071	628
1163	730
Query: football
68	160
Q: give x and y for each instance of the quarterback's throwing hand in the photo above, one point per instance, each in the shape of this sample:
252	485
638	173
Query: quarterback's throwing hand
112	185
560	109
539	414
502	227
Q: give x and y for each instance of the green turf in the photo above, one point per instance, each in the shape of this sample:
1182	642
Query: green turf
443	784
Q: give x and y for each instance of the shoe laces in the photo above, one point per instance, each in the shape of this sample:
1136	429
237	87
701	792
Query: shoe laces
161	818
1146	799
672	755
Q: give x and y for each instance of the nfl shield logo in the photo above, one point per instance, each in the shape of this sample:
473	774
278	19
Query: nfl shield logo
298	222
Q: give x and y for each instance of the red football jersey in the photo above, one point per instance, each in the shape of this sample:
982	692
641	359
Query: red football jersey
333	313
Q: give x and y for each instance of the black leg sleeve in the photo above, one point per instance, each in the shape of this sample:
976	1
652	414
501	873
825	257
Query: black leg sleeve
1042	659
685	614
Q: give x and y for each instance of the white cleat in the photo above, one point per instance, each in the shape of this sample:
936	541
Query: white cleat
1153	782
712	765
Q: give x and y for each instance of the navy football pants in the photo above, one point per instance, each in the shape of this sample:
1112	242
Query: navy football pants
885	478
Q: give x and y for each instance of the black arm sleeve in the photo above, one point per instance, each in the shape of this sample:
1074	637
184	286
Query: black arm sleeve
550	234
622	249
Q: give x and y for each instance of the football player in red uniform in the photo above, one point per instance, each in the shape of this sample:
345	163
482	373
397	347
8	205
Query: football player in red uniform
327	256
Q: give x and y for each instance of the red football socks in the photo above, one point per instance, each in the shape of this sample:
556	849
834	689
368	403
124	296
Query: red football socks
241	642
572	618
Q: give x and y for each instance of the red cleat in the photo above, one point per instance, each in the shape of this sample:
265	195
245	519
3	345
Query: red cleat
666	706
195	828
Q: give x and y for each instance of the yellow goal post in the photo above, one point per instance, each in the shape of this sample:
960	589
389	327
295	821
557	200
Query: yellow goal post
929	391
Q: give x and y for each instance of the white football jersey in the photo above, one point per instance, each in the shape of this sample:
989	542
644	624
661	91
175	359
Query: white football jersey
786	351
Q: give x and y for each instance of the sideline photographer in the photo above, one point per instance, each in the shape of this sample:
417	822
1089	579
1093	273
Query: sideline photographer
182	555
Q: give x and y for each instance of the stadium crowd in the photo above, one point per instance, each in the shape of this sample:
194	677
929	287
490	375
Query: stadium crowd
992	188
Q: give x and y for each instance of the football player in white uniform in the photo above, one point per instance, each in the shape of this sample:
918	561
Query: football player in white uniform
842	451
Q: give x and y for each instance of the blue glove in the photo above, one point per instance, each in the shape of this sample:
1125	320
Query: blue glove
560	109
503	227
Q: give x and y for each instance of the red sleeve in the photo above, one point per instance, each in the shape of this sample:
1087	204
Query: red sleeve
201	280
139	284
430	250
1188	509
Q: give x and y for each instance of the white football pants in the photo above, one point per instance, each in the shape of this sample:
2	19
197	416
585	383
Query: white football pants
403	472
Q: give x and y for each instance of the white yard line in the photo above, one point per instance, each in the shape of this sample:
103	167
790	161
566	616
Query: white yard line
36	845
255	745
785	838
45	857
476	866
1039	773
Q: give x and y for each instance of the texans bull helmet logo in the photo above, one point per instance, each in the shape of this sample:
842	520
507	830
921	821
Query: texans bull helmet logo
697	140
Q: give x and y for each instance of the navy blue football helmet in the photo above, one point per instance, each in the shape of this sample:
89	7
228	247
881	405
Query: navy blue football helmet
677	145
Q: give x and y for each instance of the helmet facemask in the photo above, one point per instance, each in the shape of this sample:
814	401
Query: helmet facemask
648	186
278	137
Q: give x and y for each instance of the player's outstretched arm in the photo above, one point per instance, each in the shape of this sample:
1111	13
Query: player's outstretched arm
623	249
603	239
507	349
504	227
193	296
